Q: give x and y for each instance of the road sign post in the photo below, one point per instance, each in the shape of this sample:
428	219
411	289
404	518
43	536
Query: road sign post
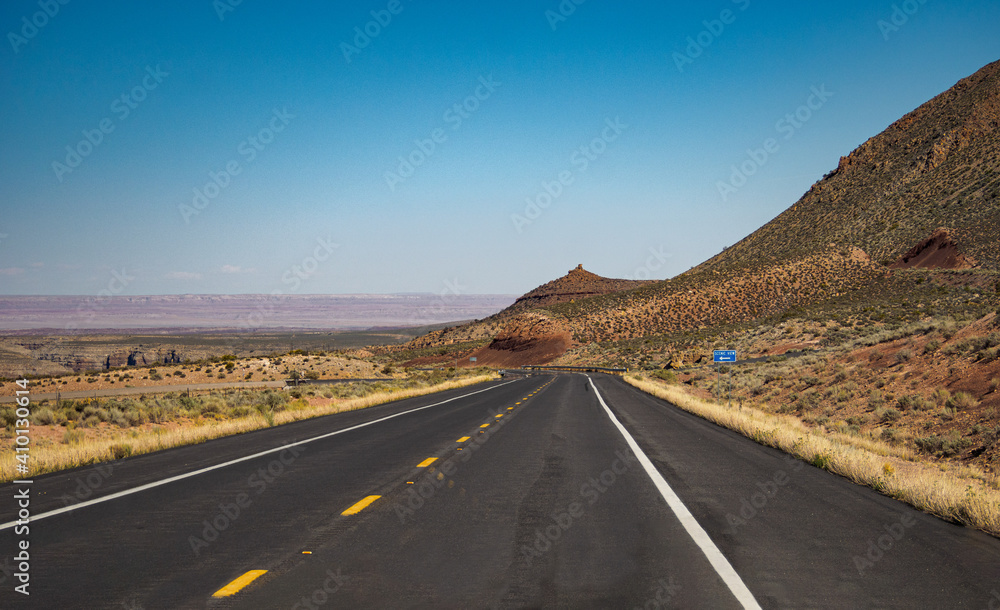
725	355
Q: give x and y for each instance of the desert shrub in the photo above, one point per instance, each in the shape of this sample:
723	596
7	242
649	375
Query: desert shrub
818	420
121	450
903	355
117	417
988	355
297	404
941	397
962	400
44	417
73	436
887	414
945	446
665	375
240	411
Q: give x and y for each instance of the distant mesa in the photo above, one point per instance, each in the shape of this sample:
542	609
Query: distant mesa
939	251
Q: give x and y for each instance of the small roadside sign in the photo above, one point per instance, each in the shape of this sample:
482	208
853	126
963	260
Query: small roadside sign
724	355
472	359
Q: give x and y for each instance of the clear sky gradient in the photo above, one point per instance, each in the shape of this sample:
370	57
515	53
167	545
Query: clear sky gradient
611	117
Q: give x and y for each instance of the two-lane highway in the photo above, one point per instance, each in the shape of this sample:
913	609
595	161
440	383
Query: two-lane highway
522	493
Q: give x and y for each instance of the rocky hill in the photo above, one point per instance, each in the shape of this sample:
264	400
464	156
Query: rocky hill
577	284
918	202
924	194
939	166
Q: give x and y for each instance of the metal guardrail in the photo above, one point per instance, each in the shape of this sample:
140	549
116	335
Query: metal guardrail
576	369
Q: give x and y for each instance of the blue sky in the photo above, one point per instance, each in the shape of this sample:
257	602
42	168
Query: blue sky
256	148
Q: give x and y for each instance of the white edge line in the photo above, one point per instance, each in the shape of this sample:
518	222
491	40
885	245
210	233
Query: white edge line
134	490
694	529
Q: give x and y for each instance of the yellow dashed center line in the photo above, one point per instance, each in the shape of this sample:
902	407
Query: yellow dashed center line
485	426
510	408
499	416
463	439
426	462
360	506
234	587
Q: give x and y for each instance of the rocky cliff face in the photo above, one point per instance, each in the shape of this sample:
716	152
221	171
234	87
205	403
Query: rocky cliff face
60	355
528	338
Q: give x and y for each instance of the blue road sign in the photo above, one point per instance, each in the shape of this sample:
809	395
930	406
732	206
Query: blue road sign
724	355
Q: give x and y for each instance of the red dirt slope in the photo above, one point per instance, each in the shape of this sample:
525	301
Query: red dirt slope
530	338
939	251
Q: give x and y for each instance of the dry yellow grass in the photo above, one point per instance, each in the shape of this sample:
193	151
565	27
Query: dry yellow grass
133	442
960	494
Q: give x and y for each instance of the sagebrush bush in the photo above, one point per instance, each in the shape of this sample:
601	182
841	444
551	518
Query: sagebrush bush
962	400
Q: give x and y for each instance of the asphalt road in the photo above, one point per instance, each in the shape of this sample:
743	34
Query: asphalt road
547	506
